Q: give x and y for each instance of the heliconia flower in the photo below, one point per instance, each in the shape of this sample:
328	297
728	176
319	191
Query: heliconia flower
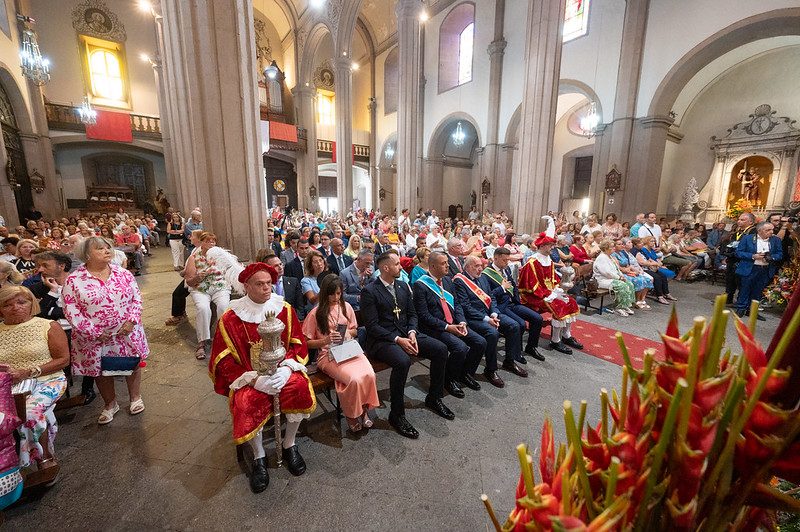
755	449
751	348
675	350
547	460
775	383
768	418
568	523
637	411
541	512
691	466
672	325
595	450
710	392
626	479
667	375
517	520
788	464
701	437
682	514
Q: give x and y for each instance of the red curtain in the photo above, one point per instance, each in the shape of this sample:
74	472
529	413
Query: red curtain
111	126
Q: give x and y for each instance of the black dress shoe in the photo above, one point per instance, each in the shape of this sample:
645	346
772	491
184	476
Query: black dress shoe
403	427
294	462
259	478
740	313
560	347
516	370
759	317
454	389
494	379
522	360
438	406
572	342
470	382
88	396
532	351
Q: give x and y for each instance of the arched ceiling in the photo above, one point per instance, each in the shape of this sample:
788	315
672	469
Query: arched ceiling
380	19
276	13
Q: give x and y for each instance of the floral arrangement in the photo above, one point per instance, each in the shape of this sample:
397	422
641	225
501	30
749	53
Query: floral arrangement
782	288
690	443
736	210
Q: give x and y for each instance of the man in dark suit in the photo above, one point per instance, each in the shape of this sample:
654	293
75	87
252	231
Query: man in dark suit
273	241
497	280
290	253
455	261
387	308
337	260
440	316
745	225
296	267
758	256
325	244
356	276
382	245
483	317
288	287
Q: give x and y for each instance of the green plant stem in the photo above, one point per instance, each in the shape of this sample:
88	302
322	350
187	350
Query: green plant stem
604	406
623	407
526	471
582	417
649	355
565	491
753	316
611	485
625	355
691	379
719	324
580	465
664	440
490	510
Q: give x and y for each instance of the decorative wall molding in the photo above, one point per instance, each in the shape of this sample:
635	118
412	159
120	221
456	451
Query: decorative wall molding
324	77
263	49
93	18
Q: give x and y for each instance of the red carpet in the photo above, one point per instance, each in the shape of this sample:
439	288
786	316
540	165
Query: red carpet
601	342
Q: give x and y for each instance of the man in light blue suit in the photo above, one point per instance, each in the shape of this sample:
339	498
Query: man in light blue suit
758	255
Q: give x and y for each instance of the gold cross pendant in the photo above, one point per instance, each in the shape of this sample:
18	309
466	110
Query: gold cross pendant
397	312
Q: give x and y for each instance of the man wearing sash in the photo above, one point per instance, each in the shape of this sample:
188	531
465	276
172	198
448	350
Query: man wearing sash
497	280
387	308
483	317
440	316
252	396
538	286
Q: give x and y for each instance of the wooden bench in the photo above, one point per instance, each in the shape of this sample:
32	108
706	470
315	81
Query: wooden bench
600	292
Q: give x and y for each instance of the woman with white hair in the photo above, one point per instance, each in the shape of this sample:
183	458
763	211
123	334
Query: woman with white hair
103	304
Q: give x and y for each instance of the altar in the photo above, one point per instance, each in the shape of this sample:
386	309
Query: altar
756	161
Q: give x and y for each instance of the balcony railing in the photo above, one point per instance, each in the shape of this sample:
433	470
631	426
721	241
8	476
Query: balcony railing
360	151
67	118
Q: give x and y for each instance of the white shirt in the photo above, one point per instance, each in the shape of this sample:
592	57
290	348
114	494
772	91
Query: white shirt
762	246
433	220
431	238
411	241
647	230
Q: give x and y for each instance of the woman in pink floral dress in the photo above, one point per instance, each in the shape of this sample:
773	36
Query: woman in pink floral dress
104	306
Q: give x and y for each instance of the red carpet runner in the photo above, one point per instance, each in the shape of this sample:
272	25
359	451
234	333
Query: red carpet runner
600	342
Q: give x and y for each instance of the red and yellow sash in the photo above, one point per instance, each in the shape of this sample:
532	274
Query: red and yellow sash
483	296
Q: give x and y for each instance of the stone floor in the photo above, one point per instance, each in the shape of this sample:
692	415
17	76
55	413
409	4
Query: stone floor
175	467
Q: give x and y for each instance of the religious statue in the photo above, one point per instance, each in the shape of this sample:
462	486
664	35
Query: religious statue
474	199
161	201
751	190
689	199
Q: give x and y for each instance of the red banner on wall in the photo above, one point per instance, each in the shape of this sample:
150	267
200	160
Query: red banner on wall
111	126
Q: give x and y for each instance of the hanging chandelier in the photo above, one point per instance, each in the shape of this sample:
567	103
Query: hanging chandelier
589	123
459	135
389	152
34	66
88	115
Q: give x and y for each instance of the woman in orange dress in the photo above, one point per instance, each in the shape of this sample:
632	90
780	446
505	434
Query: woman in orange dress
355	378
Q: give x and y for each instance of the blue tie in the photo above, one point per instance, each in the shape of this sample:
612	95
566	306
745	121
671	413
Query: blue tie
279	287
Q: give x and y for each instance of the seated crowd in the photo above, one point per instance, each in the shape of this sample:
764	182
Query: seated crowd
350	292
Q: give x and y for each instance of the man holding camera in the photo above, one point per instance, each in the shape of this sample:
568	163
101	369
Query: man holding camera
782	228
758	256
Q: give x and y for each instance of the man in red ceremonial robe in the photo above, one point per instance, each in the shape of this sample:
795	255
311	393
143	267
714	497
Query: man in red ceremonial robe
252	396
539	290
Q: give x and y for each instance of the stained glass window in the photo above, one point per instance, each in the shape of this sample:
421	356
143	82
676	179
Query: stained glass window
465	47
576	19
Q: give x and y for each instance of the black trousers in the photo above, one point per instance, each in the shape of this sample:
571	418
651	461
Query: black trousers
394	356
179	296
660	283
522	314
732	281
465	352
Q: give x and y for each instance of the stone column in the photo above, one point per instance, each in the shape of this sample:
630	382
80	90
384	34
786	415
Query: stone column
496	52
306	161
620	132
408	105
343	76
220	152
531	186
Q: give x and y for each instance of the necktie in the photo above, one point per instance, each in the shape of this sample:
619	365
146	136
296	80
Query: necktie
279	287
340	260
448	316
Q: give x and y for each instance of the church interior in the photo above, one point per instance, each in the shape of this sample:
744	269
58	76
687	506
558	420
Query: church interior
238	106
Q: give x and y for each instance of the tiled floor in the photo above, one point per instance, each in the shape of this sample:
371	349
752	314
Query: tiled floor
174	467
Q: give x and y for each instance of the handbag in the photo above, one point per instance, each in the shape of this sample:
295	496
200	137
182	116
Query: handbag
116	364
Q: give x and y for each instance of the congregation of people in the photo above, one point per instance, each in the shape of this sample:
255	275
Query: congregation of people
390	289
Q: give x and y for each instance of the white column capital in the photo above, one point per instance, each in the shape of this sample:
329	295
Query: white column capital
342	64
497	47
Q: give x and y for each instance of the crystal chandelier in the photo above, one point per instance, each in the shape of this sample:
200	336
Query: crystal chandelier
34	66
389	152
588	123
459	135
88	115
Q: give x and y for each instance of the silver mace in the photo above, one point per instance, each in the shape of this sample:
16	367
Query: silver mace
266	361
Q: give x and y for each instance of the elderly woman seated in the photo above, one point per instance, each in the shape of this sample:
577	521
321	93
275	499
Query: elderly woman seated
610	277
34	351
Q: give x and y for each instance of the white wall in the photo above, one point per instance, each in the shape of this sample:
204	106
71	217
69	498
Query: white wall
456	187
727	101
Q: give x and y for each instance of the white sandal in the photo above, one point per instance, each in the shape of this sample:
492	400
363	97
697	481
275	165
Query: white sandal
107	416
137	407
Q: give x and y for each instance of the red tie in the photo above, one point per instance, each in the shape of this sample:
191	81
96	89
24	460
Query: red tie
448	316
